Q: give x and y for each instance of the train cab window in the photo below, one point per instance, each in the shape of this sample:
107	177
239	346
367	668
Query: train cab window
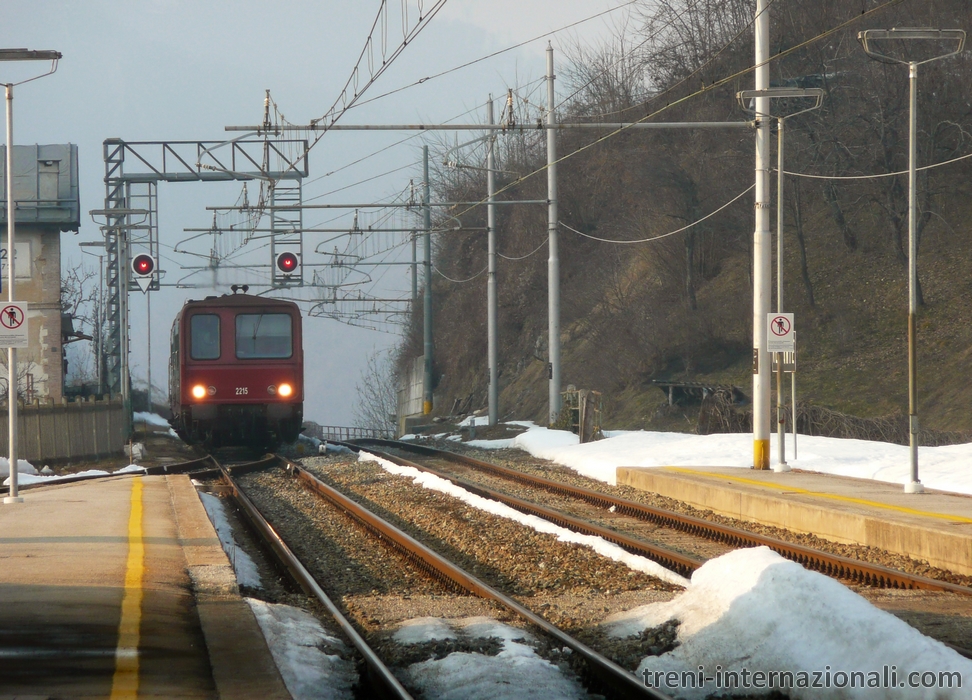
204	337
264	336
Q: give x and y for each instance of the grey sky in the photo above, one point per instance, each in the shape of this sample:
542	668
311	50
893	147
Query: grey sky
184	69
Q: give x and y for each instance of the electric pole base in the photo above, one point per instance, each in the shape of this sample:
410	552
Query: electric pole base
914	487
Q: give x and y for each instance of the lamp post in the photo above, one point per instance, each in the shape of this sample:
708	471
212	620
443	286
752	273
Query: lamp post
15	55
937	38
755	96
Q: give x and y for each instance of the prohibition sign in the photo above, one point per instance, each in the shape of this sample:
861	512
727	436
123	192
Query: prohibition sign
13	330
779	332
11	317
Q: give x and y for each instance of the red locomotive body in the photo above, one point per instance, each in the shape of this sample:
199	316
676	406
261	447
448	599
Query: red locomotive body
236	372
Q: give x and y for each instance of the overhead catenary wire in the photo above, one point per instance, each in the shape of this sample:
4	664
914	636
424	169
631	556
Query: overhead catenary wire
468	279
524	257
875	176
701	91
670	233
426	79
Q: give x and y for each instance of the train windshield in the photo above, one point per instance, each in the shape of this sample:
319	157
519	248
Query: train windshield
264	336
204	337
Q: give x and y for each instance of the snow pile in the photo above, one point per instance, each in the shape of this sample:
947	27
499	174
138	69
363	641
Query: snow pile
515	673
32	477
246	570
150	419
297	642
942	468
598	544
751	616
23	467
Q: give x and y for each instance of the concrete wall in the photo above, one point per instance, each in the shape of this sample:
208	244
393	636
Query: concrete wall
57	431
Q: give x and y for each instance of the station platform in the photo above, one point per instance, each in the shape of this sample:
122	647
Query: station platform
934	526
119	588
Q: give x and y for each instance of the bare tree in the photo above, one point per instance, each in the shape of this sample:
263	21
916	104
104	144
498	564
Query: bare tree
376	405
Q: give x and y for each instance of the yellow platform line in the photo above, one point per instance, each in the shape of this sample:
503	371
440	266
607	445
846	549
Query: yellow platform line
125	681
821	494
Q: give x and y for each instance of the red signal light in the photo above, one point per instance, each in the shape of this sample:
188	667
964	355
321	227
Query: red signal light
143	265
287	262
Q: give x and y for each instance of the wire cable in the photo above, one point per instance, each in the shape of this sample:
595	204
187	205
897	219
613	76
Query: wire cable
670	233
874	177
445	276
524	257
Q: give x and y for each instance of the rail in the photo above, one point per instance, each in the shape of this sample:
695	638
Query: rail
830	564
378	672
615	678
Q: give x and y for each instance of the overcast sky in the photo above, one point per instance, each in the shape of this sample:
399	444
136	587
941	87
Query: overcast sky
183	69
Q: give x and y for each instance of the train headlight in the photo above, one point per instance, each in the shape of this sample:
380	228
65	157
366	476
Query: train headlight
201	391
272	390
285	390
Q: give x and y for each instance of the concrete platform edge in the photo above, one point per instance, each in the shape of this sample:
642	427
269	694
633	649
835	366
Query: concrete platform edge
240	658
937	546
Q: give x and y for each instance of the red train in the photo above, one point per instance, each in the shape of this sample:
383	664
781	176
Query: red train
236	372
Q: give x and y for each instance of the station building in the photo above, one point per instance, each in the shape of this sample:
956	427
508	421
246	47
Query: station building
47	201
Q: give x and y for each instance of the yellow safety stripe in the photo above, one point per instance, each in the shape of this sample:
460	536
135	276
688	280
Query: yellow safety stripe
125	681
832	496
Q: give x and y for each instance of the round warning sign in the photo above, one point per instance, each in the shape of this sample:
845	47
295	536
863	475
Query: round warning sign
13	329
11	317
779	333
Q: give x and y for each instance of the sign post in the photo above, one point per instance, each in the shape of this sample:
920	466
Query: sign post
780	339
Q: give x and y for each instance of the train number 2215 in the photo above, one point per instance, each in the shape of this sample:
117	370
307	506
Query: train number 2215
242	391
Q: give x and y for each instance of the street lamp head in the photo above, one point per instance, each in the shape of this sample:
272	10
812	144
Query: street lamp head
28	55
932	44
747	99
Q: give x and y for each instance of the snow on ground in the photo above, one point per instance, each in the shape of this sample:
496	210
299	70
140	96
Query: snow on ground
23	467
311	662
246	571
515	673
752	612
943	468
31	476
598	544
151	419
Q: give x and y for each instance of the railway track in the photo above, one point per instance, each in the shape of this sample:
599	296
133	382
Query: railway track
839	567
607	676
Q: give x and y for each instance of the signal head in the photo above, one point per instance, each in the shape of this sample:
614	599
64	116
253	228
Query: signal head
287	262
143	265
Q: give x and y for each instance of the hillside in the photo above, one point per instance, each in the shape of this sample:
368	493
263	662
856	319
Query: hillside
680	307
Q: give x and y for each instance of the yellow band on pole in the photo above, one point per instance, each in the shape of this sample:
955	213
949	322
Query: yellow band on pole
125	681
761	454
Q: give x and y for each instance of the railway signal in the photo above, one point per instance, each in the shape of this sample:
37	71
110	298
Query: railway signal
288	262
143	268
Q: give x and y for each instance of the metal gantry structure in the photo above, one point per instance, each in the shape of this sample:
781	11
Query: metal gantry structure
133	170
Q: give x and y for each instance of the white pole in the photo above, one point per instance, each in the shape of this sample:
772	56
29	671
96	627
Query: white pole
553	262
148	331
781	465
914	485
427	332
762	261
491	322
14	496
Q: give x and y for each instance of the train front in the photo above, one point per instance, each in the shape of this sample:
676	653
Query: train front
241	372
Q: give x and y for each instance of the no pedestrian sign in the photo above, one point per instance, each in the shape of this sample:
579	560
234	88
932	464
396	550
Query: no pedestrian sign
779	333
13	324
